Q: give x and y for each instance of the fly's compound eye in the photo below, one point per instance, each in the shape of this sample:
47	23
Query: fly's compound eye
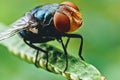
61	22
67	18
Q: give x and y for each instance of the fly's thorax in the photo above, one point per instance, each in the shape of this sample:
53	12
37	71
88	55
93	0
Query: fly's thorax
44	13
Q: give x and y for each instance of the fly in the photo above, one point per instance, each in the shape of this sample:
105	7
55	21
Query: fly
46	23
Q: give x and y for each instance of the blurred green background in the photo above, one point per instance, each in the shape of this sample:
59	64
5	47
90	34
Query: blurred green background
101	32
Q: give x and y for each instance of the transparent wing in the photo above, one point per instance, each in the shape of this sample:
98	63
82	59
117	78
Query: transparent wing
21	24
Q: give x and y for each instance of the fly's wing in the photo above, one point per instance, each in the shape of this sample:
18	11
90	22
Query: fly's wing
21	24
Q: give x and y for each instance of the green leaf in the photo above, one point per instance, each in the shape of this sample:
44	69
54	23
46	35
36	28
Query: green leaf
77	69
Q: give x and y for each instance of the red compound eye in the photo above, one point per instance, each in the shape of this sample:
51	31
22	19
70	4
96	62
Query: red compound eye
61	22
68	19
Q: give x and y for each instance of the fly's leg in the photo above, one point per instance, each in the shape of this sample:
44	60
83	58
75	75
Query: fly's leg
38	49
65	52
81	44
67	42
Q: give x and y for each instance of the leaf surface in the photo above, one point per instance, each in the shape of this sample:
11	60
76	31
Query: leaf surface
77	69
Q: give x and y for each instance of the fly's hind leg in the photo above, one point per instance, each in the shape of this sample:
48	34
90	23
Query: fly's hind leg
38	49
